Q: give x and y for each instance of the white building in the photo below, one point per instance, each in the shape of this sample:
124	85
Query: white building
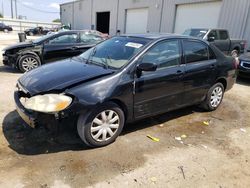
171	16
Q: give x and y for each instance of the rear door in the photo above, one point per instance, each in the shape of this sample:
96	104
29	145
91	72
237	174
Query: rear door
161	90
61	47
200	70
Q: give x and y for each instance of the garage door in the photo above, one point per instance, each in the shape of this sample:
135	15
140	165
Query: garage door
137	20
197	15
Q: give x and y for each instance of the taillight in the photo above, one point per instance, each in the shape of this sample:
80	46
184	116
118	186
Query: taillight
236	63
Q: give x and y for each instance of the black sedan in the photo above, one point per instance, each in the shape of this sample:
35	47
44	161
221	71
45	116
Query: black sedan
244	65
29	55
5	28
124	79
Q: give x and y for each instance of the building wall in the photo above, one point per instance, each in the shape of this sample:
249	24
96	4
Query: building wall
106	6
154	13
234	15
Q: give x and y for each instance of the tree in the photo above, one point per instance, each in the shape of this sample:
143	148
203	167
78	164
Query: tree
57	20
1	15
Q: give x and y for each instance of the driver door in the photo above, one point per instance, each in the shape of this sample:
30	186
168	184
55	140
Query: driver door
162	90
61	47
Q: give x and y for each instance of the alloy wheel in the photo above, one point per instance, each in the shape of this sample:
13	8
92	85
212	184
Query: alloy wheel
105	125
29	63
216	97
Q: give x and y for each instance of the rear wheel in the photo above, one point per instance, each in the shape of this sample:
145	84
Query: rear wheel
29	62
102	126
214	97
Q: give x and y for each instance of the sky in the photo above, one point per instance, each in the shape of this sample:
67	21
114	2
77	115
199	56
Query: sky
37	10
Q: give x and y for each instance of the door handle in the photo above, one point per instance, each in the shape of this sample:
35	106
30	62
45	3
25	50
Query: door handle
179	72
212	66
74	48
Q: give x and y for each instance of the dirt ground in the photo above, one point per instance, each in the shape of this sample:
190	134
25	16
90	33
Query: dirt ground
214	155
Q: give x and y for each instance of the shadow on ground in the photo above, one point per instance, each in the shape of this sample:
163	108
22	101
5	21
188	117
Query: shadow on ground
27	141
243	81
9	69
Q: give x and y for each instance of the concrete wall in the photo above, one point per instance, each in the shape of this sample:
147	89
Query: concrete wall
21	25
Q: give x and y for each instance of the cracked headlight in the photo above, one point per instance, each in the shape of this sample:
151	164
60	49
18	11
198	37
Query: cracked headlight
48	103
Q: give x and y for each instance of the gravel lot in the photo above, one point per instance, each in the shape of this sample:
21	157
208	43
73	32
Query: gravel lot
214	155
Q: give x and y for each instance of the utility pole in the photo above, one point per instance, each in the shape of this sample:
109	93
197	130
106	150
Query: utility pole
16	9
2	9
11	7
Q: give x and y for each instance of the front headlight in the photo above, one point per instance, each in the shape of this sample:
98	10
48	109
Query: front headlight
48	103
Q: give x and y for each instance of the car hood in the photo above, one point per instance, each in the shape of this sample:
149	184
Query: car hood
19	45
60	75
245	57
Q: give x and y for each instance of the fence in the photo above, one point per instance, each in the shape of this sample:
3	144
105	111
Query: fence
21	25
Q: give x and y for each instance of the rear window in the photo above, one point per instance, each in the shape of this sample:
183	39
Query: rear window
223	35
199	33
195	51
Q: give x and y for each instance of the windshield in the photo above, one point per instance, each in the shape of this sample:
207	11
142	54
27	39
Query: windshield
115	52
200	33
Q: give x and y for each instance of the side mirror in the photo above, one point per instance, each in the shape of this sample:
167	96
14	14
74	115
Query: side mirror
147	67
210	39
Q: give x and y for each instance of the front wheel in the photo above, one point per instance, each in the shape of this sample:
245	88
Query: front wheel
28	62
214	97
102	126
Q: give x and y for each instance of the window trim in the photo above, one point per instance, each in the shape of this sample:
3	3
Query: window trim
197	41
160	41
61	34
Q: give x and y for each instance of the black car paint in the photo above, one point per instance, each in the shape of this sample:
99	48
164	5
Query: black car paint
4	27
45	52
139	97
244	65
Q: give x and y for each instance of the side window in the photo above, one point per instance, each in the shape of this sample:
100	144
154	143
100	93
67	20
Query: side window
214	34
164	54
64	39
223	35
90	38
195	51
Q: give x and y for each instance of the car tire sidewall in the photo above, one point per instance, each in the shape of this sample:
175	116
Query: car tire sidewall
20	66
5	30
209	107
85	121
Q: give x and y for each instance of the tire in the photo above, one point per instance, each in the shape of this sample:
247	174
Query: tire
28	62
31	33
92	128
235	53
5	30
214	97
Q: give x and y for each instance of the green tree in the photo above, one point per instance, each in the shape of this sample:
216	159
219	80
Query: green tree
57	20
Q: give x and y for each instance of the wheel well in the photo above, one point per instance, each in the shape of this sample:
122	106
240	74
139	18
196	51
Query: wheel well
223	81
121	105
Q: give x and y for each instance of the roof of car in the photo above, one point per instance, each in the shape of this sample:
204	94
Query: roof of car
157	35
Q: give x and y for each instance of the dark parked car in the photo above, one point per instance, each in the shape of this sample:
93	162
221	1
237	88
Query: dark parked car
29	55
244	65
124	79
221	39
37	31
5	28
